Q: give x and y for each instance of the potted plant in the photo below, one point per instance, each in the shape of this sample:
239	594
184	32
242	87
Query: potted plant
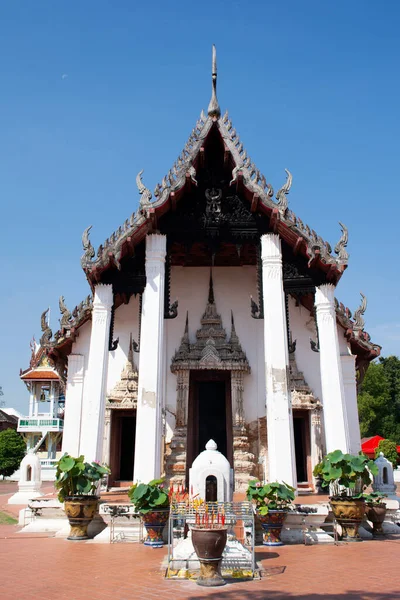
375	511
152	503
76	482
272	501
347	476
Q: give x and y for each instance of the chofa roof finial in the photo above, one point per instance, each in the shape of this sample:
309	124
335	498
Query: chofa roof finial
213	108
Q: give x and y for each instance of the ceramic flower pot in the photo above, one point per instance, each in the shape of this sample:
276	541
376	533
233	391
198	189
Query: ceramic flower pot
154	523
376	512
272	524
80	511
349	512
209	545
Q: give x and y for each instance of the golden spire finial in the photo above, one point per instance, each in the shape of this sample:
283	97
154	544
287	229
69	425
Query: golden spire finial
213	108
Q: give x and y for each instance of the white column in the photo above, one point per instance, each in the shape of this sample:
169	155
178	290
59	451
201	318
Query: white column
350	392
38	390
94	394
281	453
31	399
51	411
73	405
151	377
333	398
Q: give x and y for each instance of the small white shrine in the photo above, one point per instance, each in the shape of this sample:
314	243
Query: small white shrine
30	479
384	480
211	476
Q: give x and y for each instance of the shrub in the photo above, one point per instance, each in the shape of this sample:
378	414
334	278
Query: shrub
389	450
12	451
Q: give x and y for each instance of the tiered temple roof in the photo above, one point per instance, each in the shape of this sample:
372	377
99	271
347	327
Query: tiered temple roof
246	179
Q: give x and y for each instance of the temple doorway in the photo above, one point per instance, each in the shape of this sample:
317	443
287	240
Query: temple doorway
301	427
122	449
210	413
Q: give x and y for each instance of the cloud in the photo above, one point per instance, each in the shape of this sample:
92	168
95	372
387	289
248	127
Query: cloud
64	76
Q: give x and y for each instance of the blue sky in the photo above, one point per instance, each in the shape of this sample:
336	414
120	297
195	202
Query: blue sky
94	91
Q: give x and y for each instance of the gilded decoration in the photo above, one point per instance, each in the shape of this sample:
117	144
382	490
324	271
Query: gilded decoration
124	394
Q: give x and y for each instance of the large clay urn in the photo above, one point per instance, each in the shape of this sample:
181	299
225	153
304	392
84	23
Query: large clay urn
272	524
348	512
209	545
80	511
154	523
376	512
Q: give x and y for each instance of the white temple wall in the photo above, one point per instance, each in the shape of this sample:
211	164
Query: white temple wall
126	321
302	326
82	342
232	289
74	391
343	344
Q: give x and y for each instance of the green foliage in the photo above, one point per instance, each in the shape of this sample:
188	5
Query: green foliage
12	451
374	498
75	477
379	400
351	472
389	450
270	496
149	496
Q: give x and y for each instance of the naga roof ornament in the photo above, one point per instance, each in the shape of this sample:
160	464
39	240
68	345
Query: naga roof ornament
65	321
145	194
340	248
358	314
281	195
89	252
47	332
213	108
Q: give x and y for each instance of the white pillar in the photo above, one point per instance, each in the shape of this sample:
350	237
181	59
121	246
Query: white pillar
333	398
281	453
51	393
94	396
151	376
31	399
38	391
73	405
350	392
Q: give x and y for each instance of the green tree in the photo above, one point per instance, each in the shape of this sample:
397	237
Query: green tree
12	451
389	450
379	400
373	400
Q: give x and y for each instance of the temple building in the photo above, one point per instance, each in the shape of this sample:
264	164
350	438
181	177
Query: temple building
211	315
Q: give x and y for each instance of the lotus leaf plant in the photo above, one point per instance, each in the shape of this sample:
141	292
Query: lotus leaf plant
375	498
270	496
75	477
149	496
346	475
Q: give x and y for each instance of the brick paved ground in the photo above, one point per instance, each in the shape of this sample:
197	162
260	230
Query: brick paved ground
38	567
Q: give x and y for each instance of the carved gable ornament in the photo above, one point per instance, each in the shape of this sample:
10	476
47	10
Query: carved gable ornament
212	349
124	394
